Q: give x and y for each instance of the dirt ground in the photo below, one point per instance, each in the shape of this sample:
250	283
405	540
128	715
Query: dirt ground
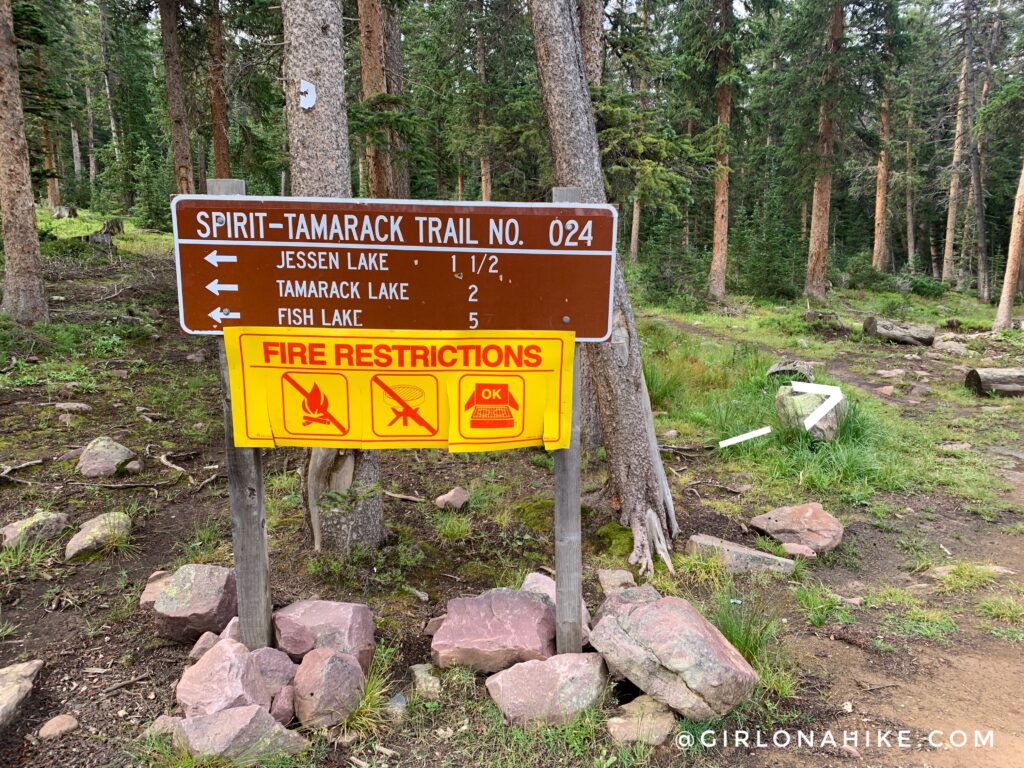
105	665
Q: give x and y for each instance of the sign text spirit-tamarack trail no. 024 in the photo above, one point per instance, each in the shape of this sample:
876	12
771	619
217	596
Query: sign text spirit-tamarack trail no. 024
344	264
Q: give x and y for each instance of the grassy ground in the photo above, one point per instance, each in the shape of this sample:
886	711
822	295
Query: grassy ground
922	478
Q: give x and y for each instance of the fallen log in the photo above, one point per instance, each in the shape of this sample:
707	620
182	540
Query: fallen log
996	381
901	333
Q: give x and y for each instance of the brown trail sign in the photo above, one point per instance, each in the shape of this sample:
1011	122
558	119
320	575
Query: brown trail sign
383	264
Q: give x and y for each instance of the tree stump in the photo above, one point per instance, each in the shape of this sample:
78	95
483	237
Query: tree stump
1008	382
900	333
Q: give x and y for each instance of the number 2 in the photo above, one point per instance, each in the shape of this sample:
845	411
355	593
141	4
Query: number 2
473	291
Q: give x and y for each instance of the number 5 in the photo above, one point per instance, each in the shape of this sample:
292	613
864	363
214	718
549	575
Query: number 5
473	322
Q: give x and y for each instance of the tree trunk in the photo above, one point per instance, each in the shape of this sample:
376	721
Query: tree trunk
50	169
817	254
911	243
90	122
954	179
963	266
218	100
592	39
723	109
380	56
634	230
977	183
933	252
1008	382
318	144
878	252
24	296
481	75
636	474
1004	315
76	150
803	220
108	80
181	143
201	167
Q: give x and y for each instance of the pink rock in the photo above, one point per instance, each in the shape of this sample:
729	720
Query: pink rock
165	725
613	581
495	630
232	631
807	524
328	687
309	624
434	624
154	586
541	584
886	391
276	667
552	691
205	642
672	653
283	707
799	550
456	498
226	676
196	599
849	751
246	732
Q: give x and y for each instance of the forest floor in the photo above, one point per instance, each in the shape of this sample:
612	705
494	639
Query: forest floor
926	476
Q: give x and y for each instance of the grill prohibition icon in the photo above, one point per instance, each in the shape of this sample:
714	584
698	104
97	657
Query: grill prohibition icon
405	401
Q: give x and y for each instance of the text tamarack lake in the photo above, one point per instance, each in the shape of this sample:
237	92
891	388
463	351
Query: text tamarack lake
394	264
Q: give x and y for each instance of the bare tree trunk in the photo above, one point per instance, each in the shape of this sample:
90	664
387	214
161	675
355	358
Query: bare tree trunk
318	144
76	150
50	168
636	474
933	252
380	53
90	122
592	39
817	255
218	100
964	267
481	74
634	230
911	244
1004	314
977	183
24	295
723	109
878	252
108	79
181	143
201	167
803	220
954	179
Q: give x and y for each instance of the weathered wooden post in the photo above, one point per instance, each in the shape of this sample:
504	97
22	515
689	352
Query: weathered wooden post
568	545
248	514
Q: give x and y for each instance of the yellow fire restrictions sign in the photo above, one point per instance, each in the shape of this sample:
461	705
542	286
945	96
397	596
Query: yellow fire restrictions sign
461	390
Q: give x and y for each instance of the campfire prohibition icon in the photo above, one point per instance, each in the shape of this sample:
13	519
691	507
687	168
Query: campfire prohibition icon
315	406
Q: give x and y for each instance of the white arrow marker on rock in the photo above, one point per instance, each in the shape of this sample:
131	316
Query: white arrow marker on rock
833	394
220	315
219	258
215	287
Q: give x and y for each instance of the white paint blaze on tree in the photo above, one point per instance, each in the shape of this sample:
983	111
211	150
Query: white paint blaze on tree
24	297
318	144
636	474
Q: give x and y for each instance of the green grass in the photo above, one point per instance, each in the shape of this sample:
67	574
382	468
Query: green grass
770	545
822	606
29	559
453	527
284	501
7	629
890	596
543	460
1012	634
926	623
1015	529
966	577
207	543
999	608
370	717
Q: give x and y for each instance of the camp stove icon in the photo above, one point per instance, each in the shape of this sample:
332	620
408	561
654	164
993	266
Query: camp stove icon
492	405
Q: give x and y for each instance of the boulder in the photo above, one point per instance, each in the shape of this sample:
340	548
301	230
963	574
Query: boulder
328	687
736	557
205	642
103	457
73	407
246	733
154	586
196	599
552	691
58	726
645	593
807	524
793	407
100	534
41	525
309	624
456	498
16	682
541	584
233	631
672	653
643	719
276	667
166	725
282	708
425	683
225	677
495	630
613	581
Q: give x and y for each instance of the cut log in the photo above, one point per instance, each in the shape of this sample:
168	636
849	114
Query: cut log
996	381
901	333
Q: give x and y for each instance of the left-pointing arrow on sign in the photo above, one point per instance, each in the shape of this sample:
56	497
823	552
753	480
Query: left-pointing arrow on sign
220	315
219	258
216	287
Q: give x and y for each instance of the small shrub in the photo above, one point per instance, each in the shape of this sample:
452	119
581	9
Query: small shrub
965	577
860	274
452	526
925	286
1007	609
822	606
370	717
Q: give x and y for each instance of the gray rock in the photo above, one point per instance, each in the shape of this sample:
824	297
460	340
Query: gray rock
613	581
42	525
16	682
103	533
807	524
736	557
793	369
154	586
166	725
328	687
424	682
549	692
196	599
645	593
247	733
793	407
643	719
73	407
456	498
225	677
103	457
